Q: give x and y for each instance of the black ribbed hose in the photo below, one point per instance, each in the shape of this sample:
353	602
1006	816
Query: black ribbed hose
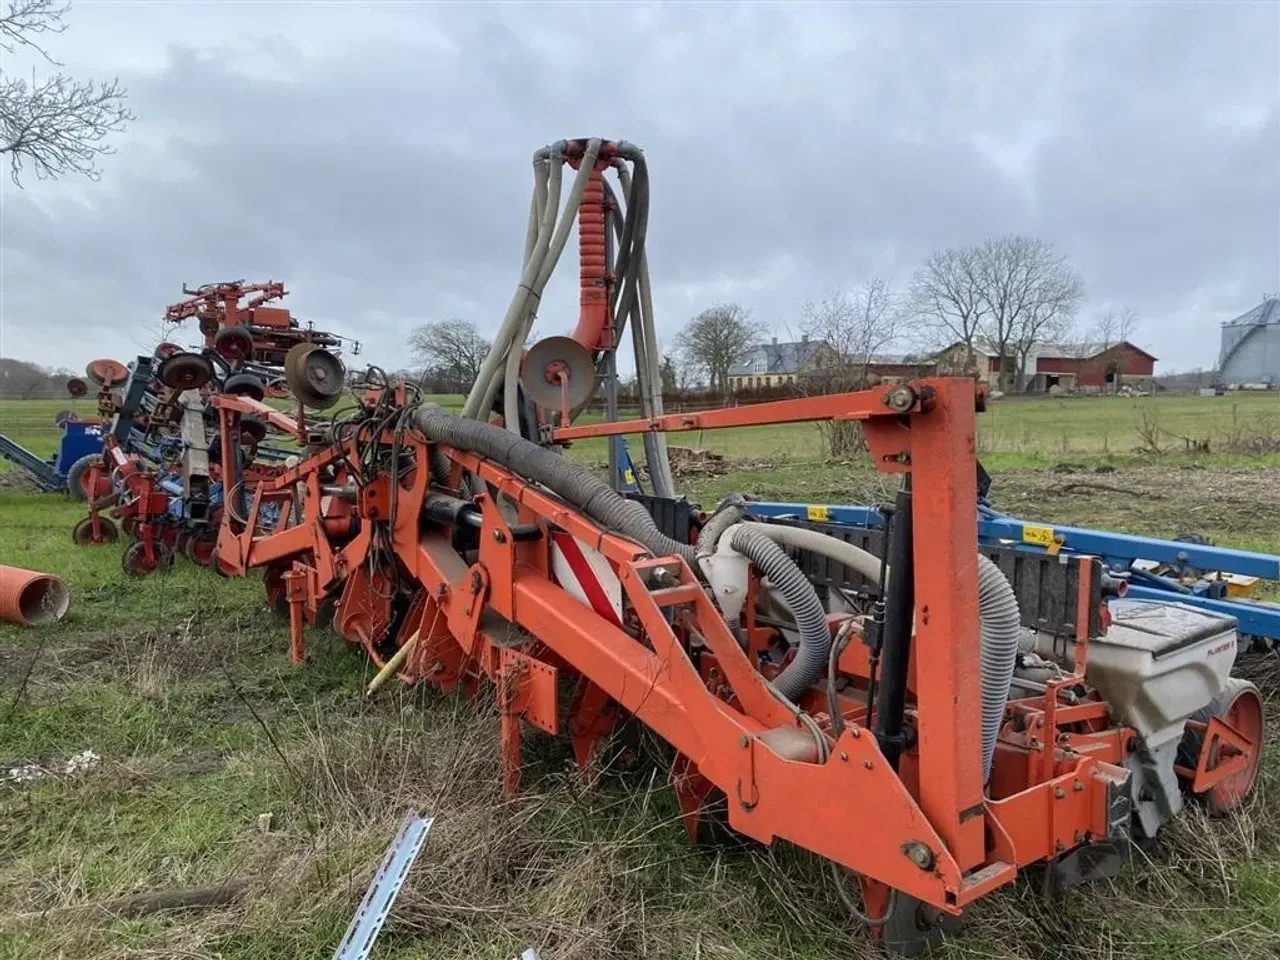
572	483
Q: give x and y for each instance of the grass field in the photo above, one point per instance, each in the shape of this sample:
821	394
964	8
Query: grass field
181	687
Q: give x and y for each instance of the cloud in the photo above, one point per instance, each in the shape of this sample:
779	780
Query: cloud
380	163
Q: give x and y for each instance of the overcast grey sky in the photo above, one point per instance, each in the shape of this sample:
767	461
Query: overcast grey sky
376	157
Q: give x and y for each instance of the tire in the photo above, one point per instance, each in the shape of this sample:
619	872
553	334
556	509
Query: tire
1241	705
82	532
234	343
199	550
245	385
134	561
78	475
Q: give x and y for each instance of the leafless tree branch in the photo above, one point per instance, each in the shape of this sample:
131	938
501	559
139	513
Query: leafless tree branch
56	125
849	328
946	302
25	19
450	350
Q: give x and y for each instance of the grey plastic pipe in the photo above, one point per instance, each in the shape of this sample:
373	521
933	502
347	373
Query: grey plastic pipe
732	510
511	379
517	309
1000	621
800	598
656	455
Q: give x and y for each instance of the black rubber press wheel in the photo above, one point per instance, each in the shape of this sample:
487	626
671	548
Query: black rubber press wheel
82	533
136	564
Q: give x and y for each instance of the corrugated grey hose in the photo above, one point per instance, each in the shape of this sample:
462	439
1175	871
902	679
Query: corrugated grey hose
732	510
570	482
801	599
1000	621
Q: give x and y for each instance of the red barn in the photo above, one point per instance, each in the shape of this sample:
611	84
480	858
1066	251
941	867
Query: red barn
1090	367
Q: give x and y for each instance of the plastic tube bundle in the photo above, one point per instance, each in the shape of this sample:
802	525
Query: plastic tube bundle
632	300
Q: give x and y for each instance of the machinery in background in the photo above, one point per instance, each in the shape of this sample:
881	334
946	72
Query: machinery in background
81	442
158	472
253	338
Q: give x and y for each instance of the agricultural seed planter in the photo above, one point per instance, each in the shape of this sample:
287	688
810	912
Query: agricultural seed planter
964	744
927	734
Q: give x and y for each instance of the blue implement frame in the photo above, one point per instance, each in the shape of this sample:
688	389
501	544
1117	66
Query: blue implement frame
1120	551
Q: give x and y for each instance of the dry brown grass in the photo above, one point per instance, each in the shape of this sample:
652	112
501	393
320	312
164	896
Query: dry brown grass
196	755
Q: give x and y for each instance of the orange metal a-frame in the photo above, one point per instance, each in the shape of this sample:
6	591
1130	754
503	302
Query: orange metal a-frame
928	830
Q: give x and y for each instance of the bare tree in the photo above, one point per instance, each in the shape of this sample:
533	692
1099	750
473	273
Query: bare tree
55	125
848	328
1030	294
946	300
716	340
1114	326
853	325
20	380
450	350
1049	316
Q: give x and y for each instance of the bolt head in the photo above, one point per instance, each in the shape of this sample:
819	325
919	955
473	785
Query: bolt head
919	854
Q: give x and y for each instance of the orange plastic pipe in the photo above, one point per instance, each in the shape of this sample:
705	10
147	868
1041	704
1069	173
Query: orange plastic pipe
32	599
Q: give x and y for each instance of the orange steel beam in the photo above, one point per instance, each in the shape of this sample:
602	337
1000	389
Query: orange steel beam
247	405
864	405
948	676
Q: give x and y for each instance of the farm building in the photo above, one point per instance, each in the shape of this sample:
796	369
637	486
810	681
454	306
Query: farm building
1089	367
1250	351
777	364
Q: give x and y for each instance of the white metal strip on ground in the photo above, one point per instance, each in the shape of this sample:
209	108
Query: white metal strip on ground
365	926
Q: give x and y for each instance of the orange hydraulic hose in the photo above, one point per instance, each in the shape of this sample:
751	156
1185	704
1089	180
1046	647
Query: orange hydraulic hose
32	599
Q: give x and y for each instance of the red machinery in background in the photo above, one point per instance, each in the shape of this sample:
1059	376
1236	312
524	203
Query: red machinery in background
253	336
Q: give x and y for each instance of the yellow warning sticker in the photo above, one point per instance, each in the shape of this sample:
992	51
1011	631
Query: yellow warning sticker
818	514
1040	536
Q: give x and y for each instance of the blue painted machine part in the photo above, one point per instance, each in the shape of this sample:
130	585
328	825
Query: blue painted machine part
627	467
78	440
1118	551
171	484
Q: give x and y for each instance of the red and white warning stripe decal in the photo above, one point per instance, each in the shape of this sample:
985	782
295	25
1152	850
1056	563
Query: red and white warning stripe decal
587	575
